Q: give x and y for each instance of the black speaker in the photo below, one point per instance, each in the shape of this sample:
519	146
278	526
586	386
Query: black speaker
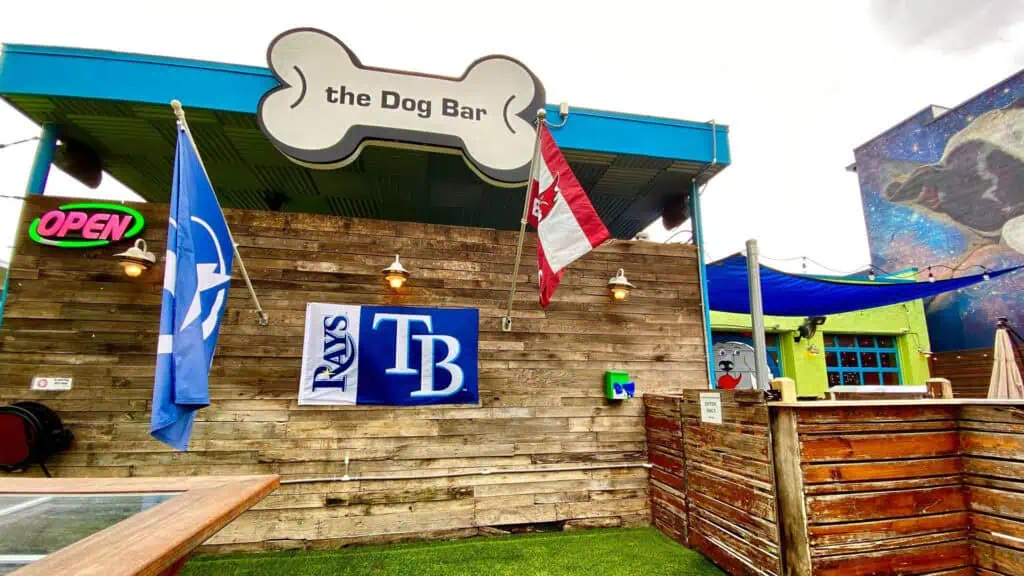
674	211
29	434
80	161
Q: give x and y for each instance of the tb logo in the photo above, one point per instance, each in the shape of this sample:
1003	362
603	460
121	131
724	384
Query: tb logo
427	363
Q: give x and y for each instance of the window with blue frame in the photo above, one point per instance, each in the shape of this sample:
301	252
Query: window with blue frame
858	360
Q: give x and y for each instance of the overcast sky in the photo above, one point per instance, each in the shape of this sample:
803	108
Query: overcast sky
800	83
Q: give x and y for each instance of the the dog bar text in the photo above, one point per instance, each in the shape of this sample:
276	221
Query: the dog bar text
392	100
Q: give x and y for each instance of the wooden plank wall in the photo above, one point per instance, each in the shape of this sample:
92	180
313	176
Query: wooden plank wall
970	371
730	484
70	313
667	473
992	447
883	491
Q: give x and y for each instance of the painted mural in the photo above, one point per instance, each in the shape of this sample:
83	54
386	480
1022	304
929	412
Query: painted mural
946	189
735	362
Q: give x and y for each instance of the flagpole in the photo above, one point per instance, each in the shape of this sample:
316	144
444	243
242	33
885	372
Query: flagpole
506	322
261	316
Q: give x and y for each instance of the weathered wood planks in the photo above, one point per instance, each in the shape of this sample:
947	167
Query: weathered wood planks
905	489
992	445
667	476
882	490
730	486
970	371
72	313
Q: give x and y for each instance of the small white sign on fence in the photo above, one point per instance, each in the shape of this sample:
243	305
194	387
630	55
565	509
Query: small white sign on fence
52	384
711	407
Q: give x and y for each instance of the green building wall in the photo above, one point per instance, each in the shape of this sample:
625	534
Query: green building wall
804	361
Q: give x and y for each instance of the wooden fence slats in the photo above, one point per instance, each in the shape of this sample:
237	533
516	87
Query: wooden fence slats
916	560
850	447
924	489
872	471
882	489
970	371
719	477
890	504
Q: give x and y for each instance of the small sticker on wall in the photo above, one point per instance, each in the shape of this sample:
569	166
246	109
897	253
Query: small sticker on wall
53	384
711	407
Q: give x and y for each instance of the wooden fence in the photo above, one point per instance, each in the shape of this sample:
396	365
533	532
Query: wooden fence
992	446
970	371
724	480
665	454
881	489
72	313
848	488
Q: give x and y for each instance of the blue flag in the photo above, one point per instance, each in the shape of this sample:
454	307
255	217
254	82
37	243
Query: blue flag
197	275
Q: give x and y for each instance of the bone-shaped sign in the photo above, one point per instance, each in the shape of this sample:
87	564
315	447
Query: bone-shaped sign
328	105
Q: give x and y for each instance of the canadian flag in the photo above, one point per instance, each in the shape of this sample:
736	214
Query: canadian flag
567	224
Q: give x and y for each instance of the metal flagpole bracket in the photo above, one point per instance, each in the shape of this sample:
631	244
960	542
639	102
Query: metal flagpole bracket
506	322
261	317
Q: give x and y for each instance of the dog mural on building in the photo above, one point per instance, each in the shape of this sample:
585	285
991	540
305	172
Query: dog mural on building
978	184
734	366
943	192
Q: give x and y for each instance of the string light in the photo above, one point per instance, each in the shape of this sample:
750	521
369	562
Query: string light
871	273
16	142
931	277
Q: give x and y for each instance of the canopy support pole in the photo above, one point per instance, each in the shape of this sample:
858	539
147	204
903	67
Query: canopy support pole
757	315
697	234
43	160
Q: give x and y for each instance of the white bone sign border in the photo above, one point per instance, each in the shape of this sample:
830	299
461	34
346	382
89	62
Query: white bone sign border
329	105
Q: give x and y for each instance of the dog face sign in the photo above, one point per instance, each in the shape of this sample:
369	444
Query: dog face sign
329	105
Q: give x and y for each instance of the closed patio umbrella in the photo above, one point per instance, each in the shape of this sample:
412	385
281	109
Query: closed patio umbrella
1006	380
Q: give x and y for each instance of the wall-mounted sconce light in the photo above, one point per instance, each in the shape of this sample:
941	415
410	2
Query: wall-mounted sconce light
396	274
619	286
136	259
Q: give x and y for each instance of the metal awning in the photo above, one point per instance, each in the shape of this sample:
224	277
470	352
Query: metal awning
118	104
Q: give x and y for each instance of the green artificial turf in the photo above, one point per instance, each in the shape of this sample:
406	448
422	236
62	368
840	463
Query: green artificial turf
603	552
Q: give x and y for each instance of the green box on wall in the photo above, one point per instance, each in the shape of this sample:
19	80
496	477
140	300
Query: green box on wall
617	385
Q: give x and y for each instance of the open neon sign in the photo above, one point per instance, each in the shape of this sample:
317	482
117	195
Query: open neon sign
86	225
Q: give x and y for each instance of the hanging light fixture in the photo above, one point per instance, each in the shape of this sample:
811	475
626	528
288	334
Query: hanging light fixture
619	286
396	274
135	260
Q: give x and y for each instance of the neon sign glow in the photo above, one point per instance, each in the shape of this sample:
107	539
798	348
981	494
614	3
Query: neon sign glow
86	225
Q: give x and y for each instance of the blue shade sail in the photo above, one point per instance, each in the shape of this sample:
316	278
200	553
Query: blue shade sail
786	294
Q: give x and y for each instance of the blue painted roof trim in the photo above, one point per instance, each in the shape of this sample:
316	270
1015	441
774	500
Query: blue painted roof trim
106	75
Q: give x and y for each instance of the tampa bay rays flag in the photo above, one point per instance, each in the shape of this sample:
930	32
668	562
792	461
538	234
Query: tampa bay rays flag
197	274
